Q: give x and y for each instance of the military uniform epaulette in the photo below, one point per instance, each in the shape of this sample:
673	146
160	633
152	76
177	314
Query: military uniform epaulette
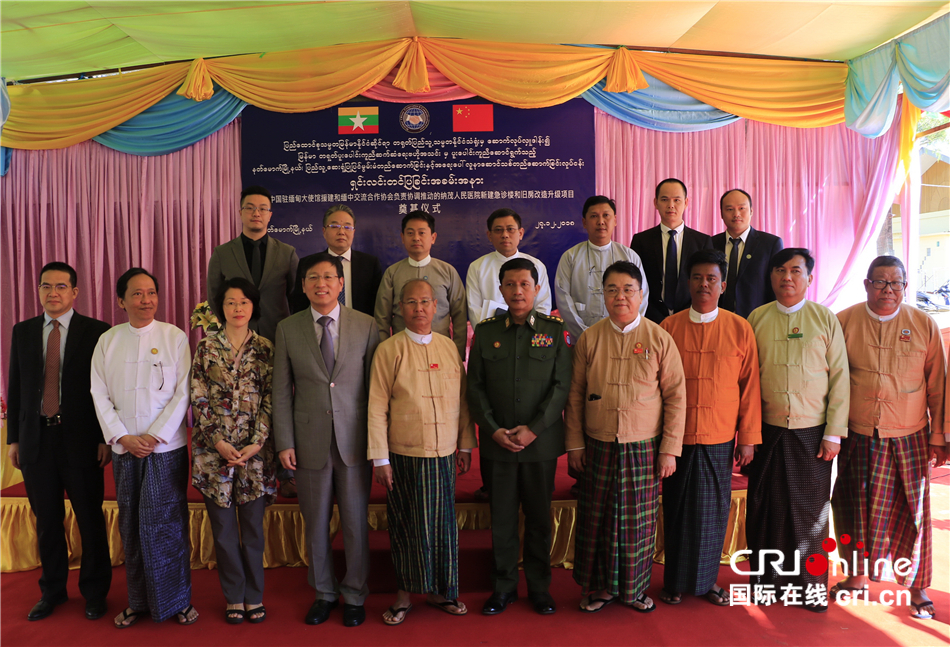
553	318
495	318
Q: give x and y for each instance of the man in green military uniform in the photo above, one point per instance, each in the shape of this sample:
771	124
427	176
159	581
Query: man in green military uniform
519	374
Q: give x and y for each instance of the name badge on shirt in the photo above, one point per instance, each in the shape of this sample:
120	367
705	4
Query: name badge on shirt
905	334
433	367
795	334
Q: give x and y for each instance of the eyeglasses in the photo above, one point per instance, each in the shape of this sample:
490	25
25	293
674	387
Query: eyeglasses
511	231
343	227
59	287
326	277
627	292
250	210
896	286
425	303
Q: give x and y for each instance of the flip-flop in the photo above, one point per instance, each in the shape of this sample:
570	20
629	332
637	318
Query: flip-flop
444	606
183	616
232	616
261	618
393	612
604	602
921	615
670	598
717	596
643	600
129	613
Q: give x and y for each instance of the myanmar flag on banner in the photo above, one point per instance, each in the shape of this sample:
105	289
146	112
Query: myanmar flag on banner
358	121
471	118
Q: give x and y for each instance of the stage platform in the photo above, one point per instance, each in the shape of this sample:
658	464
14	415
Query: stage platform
284	525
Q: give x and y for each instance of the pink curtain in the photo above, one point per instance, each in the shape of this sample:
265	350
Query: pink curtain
827	189
103	212
440	89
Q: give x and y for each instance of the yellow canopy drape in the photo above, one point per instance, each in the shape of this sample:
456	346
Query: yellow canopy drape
791	93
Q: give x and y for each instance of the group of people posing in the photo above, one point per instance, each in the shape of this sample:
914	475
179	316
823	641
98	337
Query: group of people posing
672	360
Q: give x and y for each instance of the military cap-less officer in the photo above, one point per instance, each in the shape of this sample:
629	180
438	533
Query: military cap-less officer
519	374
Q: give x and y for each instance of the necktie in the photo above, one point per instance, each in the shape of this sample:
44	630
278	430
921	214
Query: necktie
729	298
51	377
256	266
341	297
326	343
672	274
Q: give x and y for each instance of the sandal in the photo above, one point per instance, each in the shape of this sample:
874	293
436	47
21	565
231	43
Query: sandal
232	616
444	606
590	600
920	615
717	596
392	621
125	615
643	600
839	587
256	610
670	598
184	613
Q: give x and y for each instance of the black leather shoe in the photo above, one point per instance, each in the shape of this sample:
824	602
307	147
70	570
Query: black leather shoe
543	603
43	608
498	602
95	609
320	611
353	615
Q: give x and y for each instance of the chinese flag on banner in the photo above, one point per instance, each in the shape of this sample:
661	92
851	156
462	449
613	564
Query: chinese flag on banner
357	121
471	118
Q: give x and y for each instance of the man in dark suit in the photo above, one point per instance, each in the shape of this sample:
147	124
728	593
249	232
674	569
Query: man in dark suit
261	259
320	390
267	263
664	256
56	441
748	281
362	273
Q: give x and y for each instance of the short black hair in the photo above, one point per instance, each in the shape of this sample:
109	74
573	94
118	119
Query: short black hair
787	254
595	200
624	267
255	189
321	257
670	179
723	197
59	266
122	285
887	261
500	213
338	207
518	264
419	215
710	256
238	283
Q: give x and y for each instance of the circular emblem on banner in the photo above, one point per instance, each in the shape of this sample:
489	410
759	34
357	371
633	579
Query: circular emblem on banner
414	118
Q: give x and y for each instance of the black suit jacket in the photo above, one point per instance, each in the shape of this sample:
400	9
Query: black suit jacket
649	245
753	282
81	432
366	274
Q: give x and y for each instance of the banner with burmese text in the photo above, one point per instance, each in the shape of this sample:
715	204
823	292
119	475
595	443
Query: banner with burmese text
458	161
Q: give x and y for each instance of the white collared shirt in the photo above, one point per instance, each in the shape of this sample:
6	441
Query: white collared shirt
699	317
882	318
414	263
628	328
422	340
347	275
665	241
64	320
743	237
483	292
333	327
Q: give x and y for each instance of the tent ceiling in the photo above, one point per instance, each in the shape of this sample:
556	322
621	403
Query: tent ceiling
56	38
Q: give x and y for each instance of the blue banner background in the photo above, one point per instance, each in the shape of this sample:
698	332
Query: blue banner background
538	162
